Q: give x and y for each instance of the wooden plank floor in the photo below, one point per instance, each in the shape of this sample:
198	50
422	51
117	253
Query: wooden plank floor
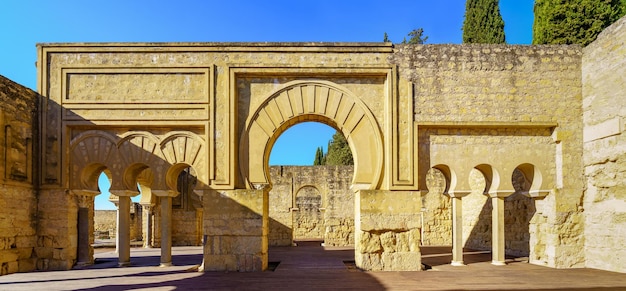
310	266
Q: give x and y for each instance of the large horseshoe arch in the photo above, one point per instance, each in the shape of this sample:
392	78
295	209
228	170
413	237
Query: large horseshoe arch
321	101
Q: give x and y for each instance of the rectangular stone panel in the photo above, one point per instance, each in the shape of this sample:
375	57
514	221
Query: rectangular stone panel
114	112
136	85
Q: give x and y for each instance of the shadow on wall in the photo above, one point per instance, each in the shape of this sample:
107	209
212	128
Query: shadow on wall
518	211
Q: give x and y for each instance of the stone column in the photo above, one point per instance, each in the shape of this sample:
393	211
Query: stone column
123	231
165	197
457	227
497	227
147	238
85	225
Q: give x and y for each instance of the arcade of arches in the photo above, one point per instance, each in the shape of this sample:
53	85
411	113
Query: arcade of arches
509	139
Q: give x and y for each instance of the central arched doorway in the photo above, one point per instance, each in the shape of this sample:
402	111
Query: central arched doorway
317	101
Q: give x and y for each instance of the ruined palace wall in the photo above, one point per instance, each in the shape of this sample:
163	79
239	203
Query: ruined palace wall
18	201
311	202
106	221
480	101
604	117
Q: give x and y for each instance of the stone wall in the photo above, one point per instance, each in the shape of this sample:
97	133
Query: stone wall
604	117
436	212
311	202
106	221
18	200
459	89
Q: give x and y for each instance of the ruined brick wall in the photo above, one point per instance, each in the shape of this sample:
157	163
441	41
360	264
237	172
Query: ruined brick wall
106	221
466	85
311	203
604	116
18	201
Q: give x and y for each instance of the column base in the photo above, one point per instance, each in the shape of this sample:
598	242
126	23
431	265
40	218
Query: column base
163	265
123	264
457	263
83	264
498	263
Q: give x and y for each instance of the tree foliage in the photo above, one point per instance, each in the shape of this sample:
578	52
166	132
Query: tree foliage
483	22
319	157
417	37
574	21
338	154
339	151
386	38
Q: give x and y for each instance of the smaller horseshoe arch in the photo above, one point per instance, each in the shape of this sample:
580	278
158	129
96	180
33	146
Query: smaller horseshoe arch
320	101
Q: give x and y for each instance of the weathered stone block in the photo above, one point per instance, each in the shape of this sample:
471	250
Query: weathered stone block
27	265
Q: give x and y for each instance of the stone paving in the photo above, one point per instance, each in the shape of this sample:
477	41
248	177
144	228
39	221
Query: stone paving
312	267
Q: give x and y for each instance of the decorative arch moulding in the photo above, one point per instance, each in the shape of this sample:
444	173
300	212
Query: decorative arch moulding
303	100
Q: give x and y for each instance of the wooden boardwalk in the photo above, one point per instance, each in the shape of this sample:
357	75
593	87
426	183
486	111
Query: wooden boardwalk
310	266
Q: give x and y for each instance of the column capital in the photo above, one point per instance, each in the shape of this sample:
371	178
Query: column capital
165	193
201	192
85	197
459	193
124	193
261	186
147	207
536	193
500	194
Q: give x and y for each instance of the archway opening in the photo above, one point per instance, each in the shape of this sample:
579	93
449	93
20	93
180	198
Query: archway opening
105	218
311	205
187	209
519	210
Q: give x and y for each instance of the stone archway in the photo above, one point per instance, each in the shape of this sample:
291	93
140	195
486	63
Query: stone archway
320	101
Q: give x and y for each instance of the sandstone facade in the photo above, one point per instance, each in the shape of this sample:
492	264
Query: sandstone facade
19	243
527	142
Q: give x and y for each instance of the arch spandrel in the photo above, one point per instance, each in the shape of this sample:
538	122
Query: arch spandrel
320	101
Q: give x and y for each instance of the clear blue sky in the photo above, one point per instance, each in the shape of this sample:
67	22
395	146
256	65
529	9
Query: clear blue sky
27	22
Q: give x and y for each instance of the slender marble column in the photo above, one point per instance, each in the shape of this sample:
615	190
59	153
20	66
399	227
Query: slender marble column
147	240
166	225
123	219
123	231
457	227
497	227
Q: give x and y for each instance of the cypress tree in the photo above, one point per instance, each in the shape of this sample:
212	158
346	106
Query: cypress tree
338	151
574	21
319	157
483	22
